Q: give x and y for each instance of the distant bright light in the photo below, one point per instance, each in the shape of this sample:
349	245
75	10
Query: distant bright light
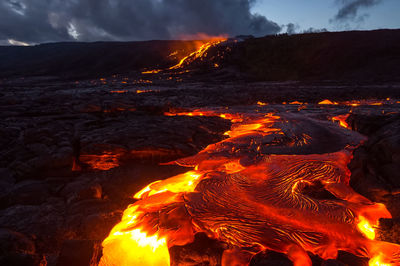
17	43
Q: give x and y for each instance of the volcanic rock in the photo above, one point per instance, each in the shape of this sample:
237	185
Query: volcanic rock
270	258
202	251
17	249
29	192
46	124
80	253
375	169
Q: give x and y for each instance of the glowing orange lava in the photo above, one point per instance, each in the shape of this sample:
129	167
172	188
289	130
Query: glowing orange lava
341	119
144	91
250	192
377	261
203	45
327	102
154	71
366	228
134	247
201	52
102	162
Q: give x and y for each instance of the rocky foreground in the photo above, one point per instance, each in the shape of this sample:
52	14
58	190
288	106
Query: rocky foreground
74	153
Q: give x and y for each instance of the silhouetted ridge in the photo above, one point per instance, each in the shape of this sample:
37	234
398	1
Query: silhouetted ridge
352	55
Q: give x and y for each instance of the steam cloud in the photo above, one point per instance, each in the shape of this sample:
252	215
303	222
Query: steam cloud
349	9
37	21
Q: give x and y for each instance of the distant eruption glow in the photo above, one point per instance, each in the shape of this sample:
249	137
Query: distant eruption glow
203	42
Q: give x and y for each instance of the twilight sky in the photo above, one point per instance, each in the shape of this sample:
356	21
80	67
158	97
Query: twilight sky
40	21
320	14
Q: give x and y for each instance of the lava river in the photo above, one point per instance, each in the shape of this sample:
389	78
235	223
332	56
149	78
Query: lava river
257	190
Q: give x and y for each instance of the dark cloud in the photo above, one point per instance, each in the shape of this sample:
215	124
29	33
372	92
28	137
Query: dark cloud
36	21
350	8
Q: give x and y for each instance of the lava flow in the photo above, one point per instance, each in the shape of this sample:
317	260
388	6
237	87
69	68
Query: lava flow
202	49
341	119
252	191
199	53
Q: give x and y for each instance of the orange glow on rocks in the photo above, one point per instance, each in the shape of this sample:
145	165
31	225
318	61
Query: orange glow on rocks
143	91
119	91
341	119
234	118
327	102
261	126
102	162
154	71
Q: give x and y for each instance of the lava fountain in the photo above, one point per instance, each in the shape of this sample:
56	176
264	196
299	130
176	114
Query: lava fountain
252	192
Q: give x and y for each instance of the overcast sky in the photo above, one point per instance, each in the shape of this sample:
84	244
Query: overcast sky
40	21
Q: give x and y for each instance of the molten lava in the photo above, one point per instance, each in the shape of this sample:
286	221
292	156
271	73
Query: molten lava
341	119
154	71
366	228
201	52
327	102
252	191
102	162
134	247
202	49
261	103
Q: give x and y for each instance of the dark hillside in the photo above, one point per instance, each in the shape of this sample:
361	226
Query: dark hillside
355	55
85	60
361	56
